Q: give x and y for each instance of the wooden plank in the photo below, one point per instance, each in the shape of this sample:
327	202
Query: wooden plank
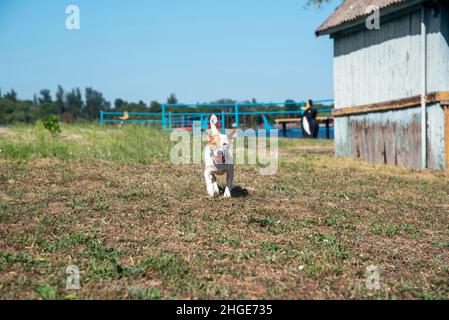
288	120
325	118
299	119
434	97
442	96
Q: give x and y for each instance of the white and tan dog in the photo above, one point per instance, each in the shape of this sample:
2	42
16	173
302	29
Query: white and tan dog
218	159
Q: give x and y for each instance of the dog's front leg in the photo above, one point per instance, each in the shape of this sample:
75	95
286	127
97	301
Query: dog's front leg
229	180
215	184
209	183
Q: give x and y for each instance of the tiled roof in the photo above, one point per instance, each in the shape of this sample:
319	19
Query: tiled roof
351	10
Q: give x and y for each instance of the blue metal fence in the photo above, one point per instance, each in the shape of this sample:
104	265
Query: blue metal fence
168	120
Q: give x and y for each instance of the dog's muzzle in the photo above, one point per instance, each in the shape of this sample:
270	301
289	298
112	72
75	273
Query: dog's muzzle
220	158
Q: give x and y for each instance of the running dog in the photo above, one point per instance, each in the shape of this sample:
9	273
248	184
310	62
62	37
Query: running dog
218	159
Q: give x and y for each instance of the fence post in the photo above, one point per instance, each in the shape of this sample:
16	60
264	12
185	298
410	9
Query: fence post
169	120
164	124
236	110
223	120
101	118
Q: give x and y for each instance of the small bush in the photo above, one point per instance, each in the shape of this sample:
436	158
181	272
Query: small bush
51	123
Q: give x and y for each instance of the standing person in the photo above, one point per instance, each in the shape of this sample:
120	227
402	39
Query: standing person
310	125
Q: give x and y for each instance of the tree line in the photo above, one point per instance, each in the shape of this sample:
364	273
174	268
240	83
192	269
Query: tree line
69	106
75	105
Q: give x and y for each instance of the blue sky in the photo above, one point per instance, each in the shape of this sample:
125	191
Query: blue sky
145	49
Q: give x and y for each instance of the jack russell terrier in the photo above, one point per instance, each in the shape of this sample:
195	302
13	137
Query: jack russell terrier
218	159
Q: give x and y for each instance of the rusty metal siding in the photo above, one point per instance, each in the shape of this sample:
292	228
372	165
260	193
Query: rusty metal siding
341	137
392	137
372	66
436	154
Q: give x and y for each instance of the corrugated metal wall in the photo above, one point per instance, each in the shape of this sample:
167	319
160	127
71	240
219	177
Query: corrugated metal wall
373	66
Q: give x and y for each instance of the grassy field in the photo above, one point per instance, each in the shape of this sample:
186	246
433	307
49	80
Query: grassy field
109	201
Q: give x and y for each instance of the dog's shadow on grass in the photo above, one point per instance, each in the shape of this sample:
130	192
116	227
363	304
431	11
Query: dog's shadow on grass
239	192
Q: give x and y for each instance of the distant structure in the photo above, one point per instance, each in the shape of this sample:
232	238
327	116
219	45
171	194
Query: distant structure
391	85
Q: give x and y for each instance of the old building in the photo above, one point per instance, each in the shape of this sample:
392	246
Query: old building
391	85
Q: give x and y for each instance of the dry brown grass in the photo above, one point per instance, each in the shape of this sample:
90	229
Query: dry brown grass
150	231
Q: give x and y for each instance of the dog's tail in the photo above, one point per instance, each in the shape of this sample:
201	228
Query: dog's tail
213	122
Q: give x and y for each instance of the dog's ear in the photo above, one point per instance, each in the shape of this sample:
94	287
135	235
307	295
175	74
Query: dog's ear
232	135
